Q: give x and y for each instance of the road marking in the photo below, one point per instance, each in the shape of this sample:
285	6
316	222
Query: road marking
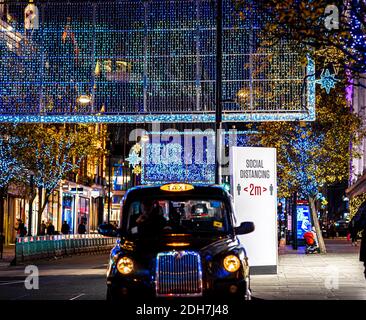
13	282
74	298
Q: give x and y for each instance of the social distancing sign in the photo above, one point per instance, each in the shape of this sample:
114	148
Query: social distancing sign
254	189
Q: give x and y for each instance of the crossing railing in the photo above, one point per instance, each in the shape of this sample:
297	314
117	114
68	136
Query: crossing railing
43	247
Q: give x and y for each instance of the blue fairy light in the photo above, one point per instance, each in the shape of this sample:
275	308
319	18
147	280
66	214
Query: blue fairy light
154	64
133	159
327	81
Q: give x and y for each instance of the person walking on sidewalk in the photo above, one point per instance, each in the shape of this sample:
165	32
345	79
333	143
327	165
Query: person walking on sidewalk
50	228
21	229
353	232
43	228
360	225
81	228
332	230
65	229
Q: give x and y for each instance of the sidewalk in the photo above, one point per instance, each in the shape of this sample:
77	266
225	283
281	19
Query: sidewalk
337	275
8	255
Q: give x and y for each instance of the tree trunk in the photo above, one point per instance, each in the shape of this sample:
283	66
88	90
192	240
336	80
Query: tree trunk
41	206
39	214
318	231
2	212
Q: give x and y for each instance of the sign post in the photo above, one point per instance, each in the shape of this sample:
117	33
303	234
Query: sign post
254	189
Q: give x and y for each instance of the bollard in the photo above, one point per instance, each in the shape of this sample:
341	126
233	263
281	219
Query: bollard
67	245
72	244
60	248
84	243
25	248
102	244
41	247
90	244
48	247
52	246
98	244
63	245
37	248
56	239
44	246
87	244
19	246
95	244
32	247
78	244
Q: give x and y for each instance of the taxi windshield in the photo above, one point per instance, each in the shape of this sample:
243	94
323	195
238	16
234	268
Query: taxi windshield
148	218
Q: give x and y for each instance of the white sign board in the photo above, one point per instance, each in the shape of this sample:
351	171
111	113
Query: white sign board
254	189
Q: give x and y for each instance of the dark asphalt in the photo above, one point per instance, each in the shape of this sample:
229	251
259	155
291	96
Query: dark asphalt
70	278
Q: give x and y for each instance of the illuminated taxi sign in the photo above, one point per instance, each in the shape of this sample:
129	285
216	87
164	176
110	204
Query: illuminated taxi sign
177	187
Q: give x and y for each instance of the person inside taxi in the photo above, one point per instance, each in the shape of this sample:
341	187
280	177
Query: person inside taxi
150	221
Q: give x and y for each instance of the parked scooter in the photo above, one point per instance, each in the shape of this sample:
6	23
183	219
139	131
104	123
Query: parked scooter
311	243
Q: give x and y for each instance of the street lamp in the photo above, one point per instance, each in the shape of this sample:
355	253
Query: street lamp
109	147
84	99
218	114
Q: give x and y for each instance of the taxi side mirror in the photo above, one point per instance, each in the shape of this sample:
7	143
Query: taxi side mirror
245	228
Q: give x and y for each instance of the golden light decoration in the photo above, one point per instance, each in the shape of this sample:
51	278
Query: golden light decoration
137	170
136	148
84	99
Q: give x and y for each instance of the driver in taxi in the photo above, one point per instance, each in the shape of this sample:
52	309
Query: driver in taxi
150	221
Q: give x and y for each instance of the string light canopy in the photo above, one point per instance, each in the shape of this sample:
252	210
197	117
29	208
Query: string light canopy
183	156
154	64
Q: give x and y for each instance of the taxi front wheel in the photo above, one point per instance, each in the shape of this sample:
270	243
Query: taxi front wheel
248	292
112	295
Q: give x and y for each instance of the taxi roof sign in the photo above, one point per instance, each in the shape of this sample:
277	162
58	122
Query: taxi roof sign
177	187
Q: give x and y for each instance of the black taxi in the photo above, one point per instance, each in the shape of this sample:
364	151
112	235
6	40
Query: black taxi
178	240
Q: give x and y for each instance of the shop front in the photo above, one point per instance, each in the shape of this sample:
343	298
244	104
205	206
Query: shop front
16	207
84	212
68	203
81	204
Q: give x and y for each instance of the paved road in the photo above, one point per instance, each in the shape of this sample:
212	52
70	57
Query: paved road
69	278
336	275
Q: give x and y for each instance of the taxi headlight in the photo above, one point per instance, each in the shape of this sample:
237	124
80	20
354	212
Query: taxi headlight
231	263
125	265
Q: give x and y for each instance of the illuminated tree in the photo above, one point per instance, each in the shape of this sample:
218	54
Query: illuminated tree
52	152
10	167
47	153
312	155
334	31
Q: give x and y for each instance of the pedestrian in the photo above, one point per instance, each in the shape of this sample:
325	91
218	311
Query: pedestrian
353	232
50	228
43	228
65	229
332	229
360	225
21	229
81	228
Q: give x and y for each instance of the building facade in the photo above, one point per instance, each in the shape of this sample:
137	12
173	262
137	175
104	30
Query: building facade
78	198
357	180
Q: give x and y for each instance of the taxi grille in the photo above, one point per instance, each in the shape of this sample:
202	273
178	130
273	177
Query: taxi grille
178	273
